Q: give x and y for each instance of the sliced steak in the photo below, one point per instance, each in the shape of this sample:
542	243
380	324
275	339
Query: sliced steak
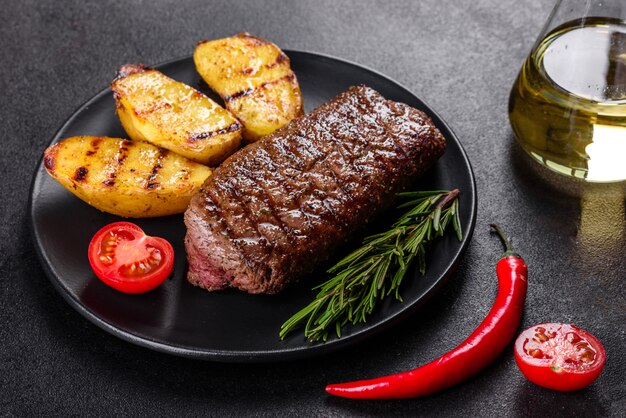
277	208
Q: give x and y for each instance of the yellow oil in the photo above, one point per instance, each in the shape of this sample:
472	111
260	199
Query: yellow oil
568	105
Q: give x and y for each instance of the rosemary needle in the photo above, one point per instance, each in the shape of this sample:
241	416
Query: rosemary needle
376	269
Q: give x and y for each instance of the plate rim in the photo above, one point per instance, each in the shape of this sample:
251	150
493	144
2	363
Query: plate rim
271	355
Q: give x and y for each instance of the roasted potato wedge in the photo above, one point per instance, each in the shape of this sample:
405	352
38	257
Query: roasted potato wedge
155	108
254	78
126	178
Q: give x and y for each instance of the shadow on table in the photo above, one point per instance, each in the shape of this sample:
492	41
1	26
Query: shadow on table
534	401
596	210
537	180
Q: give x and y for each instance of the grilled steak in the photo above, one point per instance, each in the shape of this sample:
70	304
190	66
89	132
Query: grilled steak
272	211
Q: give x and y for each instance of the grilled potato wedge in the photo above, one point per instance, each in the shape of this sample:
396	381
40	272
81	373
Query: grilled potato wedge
126	178
155	108
254	78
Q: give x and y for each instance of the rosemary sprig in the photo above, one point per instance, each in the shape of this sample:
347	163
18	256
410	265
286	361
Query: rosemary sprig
376	269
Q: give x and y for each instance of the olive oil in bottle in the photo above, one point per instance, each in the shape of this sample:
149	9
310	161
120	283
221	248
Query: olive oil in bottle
568	105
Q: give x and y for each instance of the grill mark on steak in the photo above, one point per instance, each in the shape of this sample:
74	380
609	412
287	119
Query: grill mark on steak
282	152
376	142
287	179
340	191
357	146
293	221
228	217
294	167
326	175
233	185
312	201
256	249
219	224
294	217
240	228
289	199
261	212
261	215
198	243
323	162
268	176
328	200
280	191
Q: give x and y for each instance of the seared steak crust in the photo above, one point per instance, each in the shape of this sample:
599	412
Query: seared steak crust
272	211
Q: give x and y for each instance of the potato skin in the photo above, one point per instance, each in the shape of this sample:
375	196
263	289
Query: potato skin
126	178
157	109
255	80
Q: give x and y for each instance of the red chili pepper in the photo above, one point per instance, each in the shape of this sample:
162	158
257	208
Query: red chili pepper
472	355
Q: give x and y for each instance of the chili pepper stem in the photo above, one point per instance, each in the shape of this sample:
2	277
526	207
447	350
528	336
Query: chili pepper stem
508	249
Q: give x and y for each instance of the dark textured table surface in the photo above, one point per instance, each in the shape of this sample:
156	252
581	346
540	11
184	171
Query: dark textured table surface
459	57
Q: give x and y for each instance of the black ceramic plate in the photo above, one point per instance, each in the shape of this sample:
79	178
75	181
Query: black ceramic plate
180	319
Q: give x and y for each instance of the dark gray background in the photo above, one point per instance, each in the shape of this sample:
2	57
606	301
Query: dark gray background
459	57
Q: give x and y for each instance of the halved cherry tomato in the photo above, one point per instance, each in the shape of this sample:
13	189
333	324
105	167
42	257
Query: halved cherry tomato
559	356
127	259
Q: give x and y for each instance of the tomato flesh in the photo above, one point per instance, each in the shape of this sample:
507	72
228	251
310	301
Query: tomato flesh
559	356
125	258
